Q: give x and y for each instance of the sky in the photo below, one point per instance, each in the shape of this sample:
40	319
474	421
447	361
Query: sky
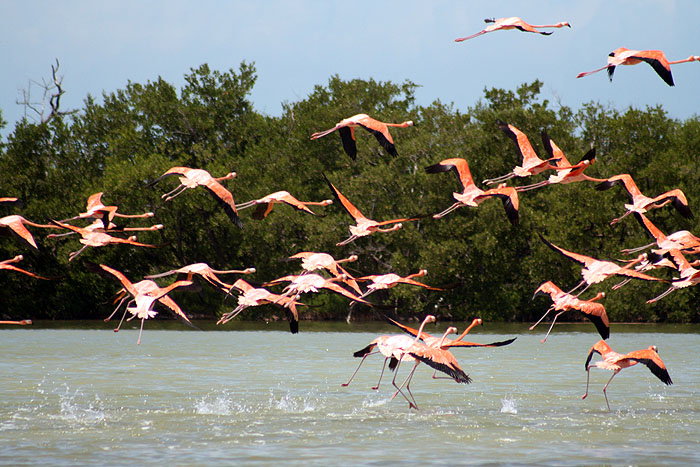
296	45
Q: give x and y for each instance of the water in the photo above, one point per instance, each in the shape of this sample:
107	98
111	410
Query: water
90	396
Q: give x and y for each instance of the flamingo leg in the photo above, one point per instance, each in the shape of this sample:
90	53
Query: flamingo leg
588	377
352	238
138	342
668	291
552	325
358	368
72	256
121	320
629	251
247	204
376	386
176	192
411	404
448	210
115	310
620	284
533	186
502	178
618	219
606	387
230	315
543	317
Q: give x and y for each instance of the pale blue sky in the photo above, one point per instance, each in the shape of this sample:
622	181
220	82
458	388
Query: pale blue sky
298	44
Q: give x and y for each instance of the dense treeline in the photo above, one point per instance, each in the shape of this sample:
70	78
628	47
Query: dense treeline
490	267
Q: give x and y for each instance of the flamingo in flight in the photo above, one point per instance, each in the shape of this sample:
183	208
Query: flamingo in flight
97	239
380	130
616	362
498	24
96	209
680	240
387	281
471	194
531	165
563	302
17	223
642	203
312	261
206	272
8	264
595	270
304	283
365	226
192	178
143	298
22	322
656	58
256	296
266	203
689	276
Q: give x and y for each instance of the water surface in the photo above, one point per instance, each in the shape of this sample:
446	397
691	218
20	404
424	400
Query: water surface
90	396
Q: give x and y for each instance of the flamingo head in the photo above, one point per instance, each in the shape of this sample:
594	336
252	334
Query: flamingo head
24	322
249	271
352	258
429	319
563	23
408	123
18	258
148	214
450	330
654	348
326	202
132	238
422	272
478	321
157	227
230	175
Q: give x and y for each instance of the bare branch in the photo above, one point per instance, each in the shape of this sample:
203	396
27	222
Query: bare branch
52	92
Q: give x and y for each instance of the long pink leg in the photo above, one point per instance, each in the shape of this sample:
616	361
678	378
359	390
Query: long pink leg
550	327
375	387
606	387
138	342
588	377
543	317
448	210
407	383
358	368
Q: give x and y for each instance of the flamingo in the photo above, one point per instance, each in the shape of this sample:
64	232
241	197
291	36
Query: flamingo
304	283
513	23
656	58
9	265
23	322
380	130
681	240
97	209
471	194
143	299
615	362
531	165
641	203
596	271
192	178
266	203
97	239
566	172
99	226
256	296
689	276
564	302
365	226
312	261
387	281
206	272
17	224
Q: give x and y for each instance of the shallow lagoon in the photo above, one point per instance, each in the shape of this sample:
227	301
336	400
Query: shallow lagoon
255	394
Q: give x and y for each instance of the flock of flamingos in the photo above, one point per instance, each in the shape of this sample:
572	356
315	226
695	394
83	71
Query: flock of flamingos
416	345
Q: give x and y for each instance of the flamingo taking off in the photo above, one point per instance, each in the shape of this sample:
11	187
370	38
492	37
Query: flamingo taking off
96	209
615	362
364	225
498	24
17	223
596	271
680	240
656	58
256	296
312	261
471	194
641	203
304	283
97	239
564	302
380	130
206	272
689	276
266	203
192	178
9	265
531	165
387	281
143	298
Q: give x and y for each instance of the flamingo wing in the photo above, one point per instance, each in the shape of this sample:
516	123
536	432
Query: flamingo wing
225	199
511	202
657	60
381	132
473	344
597	315
440	360
678	200
651	359
460	168
21	231
601	348
171	171
414	332
10	267
522	143
347	136
583	259
347	205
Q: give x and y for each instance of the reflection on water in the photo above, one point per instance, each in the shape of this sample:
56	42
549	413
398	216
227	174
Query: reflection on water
90	396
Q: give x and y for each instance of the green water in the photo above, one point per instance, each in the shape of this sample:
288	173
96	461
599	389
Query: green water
90	396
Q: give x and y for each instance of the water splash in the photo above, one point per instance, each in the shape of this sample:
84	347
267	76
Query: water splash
509	406
291	403
220	404
75	409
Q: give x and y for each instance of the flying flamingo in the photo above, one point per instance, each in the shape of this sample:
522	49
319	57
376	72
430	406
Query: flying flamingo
596	271
206	272
304	283
380	130
266	203
256	296
23	322
17	223
513	23
8	264
689	276
656	58
471	194
681	240
192	178
531	165
641	203
142	300
564	302
615	362
99	226
364	225
387	281
97	239
312	261
96	209
566	172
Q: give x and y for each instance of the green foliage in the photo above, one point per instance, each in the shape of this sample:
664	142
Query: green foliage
488	267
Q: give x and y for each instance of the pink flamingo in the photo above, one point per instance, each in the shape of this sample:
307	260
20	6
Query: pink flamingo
266	203
96	209
17	223
97	239
9	265
206	272
513	22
